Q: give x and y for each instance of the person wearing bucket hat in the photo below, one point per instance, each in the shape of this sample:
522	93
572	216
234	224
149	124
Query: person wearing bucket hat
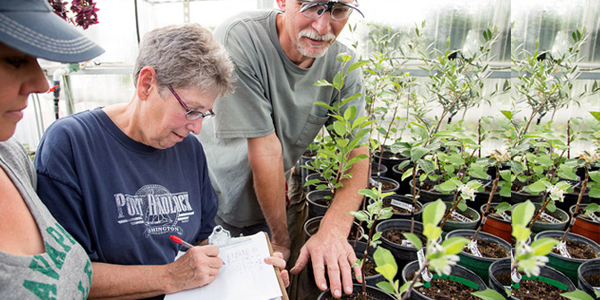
38	258
123	178
32	27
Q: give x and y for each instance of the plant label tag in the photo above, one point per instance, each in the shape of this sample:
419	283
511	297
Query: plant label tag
549	218
474	249
515	276
594	217
403	205
425	273
562	248
460	217
407	243
504	216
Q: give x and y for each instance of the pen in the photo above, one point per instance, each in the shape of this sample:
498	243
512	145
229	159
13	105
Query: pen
178	240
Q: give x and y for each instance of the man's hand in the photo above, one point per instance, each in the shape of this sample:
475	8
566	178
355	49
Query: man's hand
331	249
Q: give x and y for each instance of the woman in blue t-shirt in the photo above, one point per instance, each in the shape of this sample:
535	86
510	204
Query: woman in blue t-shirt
123	178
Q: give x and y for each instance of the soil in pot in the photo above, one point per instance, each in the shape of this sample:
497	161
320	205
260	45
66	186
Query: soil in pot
396	236
491	248
588	276
537	290
534	289
401	207
578	250
387	184
444	288
373	293
568	266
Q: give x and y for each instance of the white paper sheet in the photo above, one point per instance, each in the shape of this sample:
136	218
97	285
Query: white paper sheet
244	275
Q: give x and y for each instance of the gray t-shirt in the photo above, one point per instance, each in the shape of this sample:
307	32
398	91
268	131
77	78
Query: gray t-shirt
272	95
64	271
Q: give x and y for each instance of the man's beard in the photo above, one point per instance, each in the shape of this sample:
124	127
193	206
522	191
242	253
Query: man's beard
314	52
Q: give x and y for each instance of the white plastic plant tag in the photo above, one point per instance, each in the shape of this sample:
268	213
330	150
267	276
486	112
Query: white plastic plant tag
219	236
594	217
515	276
460	217
562	248
425	273
549	218
403	205
474	249
407	243
505	216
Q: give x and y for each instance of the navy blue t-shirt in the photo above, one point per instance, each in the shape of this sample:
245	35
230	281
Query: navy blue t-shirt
122	199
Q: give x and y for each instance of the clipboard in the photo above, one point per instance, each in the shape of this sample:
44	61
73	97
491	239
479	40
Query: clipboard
244	257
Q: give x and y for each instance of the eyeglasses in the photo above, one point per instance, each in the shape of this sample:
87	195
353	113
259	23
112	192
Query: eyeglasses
191	115
339	10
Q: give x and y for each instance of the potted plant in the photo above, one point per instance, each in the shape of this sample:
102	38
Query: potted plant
528	270
440	258
334	159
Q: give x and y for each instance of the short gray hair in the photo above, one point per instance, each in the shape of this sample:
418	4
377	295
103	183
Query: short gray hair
185	56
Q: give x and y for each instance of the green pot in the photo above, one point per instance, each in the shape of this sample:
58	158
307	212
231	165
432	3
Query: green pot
567	266
479	265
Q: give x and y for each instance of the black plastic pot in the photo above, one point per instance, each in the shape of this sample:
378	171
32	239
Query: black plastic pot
479	265
394	185
426	196
312	225
317	205
456	270
567	266
403	254
371	290
588	268
389	159
557	276
501	266
397	173
307	156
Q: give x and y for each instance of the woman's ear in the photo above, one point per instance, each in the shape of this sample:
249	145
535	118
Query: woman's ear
146	82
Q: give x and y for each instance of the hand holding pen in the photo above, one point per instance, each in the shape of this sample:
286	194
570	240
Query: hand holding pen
178	240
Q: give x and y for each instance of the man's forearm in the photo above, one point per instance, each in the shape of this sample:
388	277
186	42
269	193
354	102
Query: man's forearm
266	161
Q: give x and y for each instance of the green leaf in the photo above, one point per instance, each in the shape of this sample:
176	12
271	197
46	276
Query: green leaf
386	286
432	232
489	294
520	232
433	213
357	65
414	239
577	295
543	246
383	258
507	114
323	82
522	213
454	245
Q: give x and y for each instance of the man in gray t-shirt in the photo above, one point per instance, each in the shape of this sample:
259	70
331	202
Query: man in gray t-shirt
262	129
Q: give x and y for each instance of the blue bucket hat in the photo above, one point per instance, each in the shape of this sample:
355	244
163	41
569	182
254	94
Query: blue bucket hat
32	27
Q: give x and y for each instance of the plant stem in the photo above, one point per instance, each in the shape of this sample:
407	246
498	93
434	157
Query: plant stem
415	279
581	192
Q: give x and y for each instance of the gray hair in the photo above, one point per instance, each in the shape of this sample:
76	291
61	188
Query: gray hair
185	56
